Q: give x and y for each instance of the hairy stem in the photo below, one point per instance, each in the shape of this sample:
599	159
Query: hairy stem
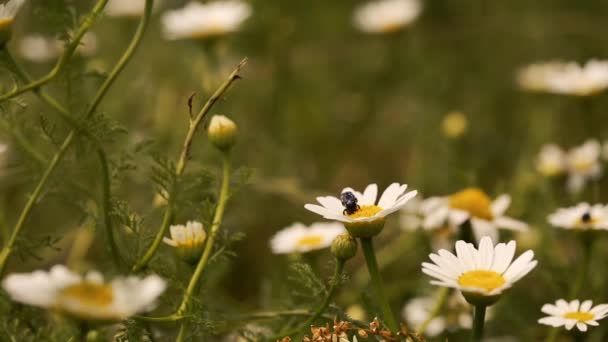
195	123
86	24
60	153
106	206
215	227
478	323
372	266
335	281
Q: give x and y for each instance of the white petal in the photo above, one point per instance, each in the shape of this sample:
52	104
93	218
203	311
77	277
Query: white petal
390	195
520	266
500	205
509	223
369	195
502	261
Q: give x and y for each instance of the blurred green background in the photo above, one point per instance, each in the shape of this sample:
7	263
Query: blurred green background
321	106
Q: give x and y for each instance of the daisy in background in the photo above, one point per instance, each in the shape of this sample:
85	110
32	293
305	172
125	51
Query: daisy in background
456	314
40	49
551	161
126	8
573	314
386	16
188	240
486	216
567	78
359	212
86	297
583	165
202	21
583	216
482	274
299	238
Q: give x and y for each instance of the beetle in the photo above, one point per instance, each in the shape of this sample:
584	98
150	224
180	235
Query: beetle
349	201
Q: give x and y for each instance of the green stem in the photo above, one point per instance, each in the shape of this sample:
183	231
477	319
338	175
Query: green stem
335	281
60	153
372	266
442	296
105	208
86	24
161	319
478	323
586	244
181	164
215	226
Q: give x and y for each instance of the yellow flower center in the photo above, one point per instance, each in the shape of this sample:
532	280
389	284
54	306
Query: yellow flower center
391	27
580	316
87	293
582	166
310	241
5	22
482	279
474	201
365	211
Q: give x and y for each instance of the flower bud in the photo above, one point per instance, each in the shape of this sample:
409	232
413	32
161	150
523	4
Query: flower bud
188	240
222	132
344	247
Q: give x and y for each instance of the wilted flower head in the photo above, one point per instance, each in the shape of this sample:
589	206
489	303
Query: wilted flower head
188	240
481	274
88	297
299	238
486	216
385	16
583	216
574	313
567	78
201	21
551	160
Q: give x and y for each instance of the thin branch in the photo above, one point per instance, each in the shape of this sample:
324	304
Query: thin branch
181	164
86	24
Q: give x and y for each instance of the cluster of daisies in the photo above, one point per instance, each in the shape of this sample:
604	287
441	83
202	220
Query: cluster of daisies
480	269
581	164
198	21
90	297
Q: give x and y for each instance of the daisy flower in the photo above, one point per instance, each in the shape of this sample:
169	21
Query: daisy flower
86	297
188	240
480	274
200	21
359	212
486	216
583	164
573	314
385	16
582	216
125	8
38	48
568	78
551	160
299	238
8	11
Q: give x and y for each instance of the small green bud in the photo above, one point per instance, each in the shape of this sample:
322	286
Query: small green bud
344	246
222	132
